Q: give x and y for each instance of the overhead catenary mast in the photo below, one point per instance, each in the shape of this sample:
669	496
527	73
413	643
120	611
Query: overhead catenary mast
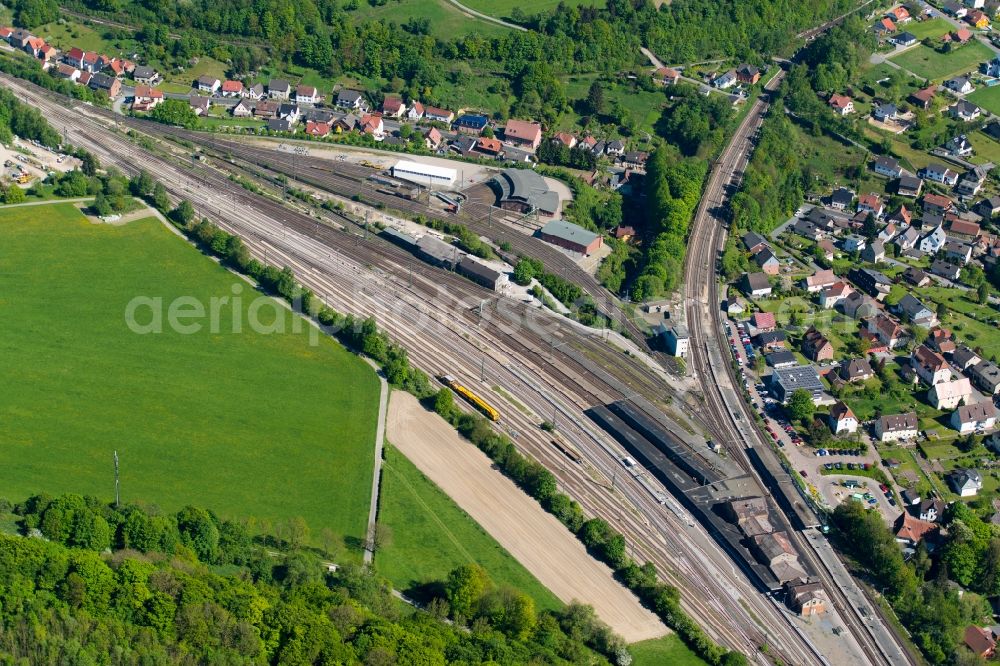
116	481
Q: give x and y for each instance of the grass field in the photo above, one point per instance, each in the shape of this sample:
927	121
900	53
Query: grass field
932	28
67	35
431	536
988	98
666	651
246	424
446	20
504	8
928	63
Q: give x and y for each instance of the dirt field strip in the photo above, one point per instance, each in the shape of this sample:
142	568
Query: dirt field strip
539	542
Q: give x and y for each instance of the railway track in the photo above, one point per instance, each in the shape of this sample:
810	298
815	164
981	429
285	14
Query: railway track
362	276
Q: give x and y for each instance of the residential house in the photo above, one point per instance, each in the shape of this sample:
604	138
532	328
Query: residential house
950	394
872	282
923	97
667	76
439	115
940	340
19	38
873	253
279	89
523	133
958	146
763	322
306	94
898	14
199	104
433	139
145	75
965	482
937	204
896	427
416	112
243	109
960	36
781	359
209	84
859	305
884	27
915	277
887	166
929	365
915	312
767	262
930	510
145	98
290	111
885	112
266	109
909	186
107	84
954	8
754	242
280	125
887	330
615	148
841	198
911	498
959	253
959	84
842	419
834	295
964	230
987	208
489	147
346	123
756	285
964	358
934	240
904	39
854	243
65	71
842	105
725	80
978	417
906	239
231	88
748	74
371	124
980	641
254	92
820	280
826	247
317	129
986	376
965	111
855	370
771	341
946	270
871	204
939	174
910	531
972	181
816	347
978	19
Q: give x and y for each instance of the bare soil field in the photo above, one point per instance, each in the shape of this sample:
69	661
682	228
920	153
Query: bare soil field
539	542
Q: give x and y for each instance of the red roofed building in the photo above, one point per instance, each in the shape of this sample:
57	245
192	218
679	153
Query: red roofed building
667	76
871	203
924	97
75	57
488	146
964	229
231	88
960	36
523	133
885	25
5	32
565	139
936	203
911	531
146	98
372	124
842	104
764	321
980	641
898	14
317	129
393	106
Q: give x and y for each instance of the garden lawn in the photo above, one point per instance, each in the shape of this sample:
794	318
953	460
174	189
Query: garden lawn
928	63
666	651
932	28
250	425
65	36
988	98
431	536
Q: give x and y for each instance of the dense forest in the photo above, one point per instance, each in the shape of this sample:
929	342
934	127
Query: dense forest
136	585
920	589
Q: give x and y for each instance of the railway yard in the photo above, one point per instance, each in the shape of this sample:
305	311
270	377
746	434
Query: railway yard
533	366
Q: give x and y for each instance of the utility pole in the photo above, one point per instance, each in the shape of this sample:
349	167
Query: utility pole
482	369
117	487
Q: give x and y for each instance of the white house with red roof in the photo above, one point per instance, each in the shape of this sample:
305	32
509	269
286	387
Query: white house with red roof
231	88
841	104
393	106
523	133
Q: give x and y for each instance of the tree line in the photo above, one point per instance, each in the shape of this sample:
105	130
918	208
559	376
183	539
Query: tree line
601	540
131	584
